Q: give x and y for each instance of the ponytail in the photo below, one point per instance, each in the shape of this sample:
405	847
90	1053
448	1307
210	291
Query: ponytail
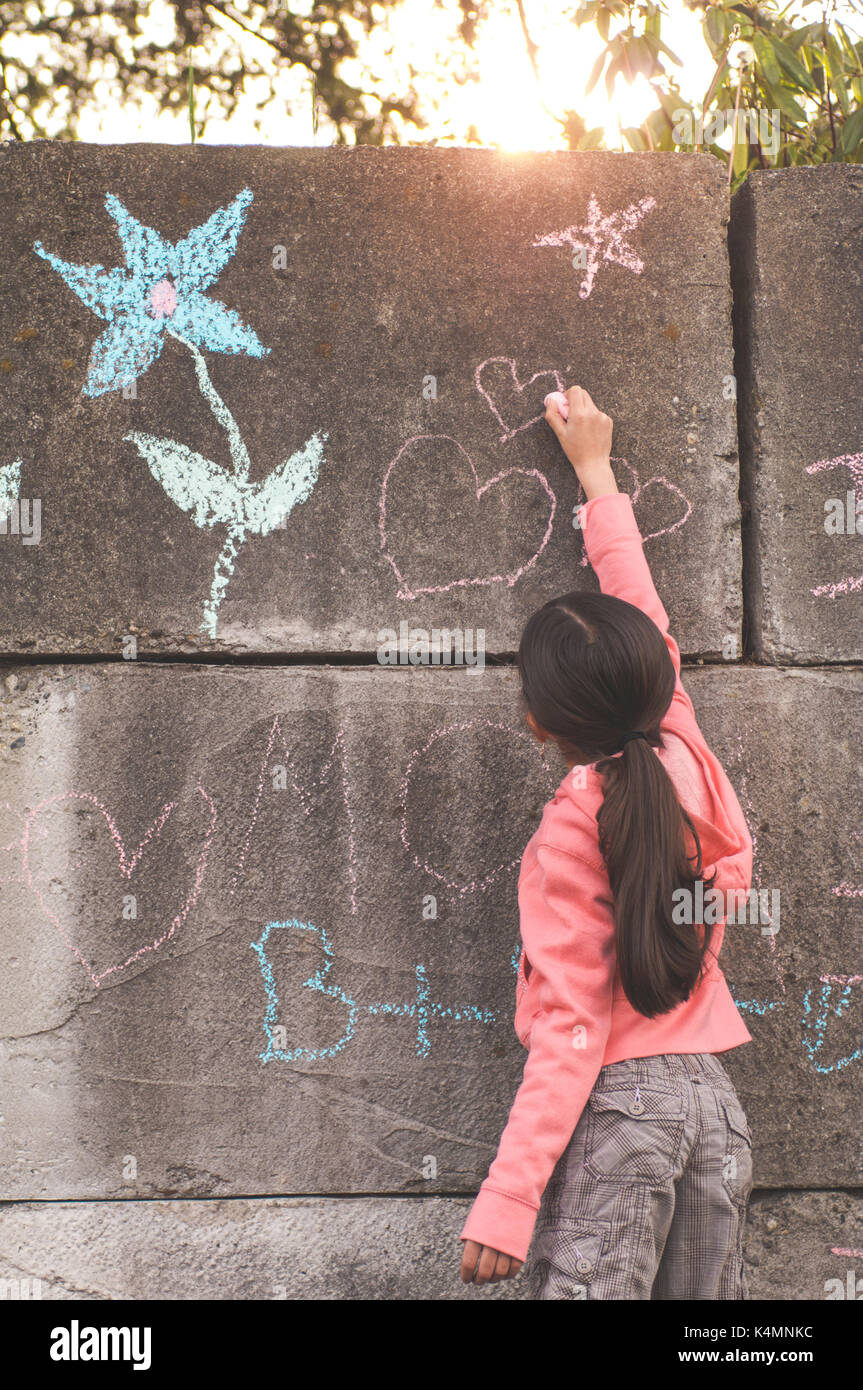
593	666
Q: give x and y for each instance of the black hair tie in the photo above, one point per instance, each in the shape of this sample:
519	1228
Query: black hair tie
634	733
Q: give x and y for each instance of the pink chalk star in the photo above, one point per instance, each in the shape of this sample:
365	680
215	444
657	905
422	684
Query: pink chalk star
603	238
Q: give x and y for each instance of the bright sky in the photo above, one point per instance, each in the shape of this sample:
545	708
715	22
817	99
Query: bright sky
500	100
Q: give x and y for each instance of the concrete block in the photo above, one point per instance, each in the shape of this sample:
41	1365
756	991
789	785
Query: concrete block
798	272
299	399
258	925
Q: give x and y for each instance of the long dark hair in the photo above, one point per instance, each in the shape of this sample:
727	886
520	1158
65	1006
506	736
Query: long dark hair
592	667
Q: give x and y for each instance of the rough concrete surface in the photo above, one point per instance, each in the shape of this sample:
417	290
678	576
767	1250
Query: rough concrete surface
797	259
797	1246
360	275
142	1056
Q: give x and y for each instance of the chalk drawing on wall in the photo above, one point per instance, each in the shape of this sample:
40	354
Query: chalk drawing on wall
10	486
551	379
276	740
127	866
833	1003
681	507
422	1008
854	464
445	876
603	239
159	291
410	456
215	498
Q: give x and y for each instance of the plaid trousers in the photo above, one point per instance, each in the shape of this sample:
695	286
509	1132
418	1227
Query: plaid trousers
648	1201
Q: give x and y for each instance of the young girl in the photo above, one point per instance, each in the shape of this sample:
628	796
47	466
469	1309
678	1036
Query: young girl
626	1155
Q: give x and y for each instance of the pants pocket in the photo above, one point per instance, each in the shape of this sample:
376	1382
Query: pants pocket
634	1133
564	1259
737	1160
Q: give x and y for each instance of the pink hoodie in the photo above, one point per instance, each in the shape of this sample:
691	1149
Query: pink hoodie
571	993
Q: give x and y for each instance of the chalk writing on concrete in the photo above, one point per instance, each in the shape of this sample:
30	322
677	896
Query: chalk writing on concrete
602	239
276	741
414	766
160	291
127	866
484	387
833	1003
411	455
422	1008
854	464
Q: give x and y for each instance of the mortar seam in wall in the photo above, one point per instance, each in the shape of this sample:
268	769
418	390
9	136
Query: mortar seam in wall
369	1196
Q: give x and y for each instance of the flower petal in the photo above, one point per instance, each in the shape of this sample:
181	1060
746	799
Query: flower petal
200	258
123	352
148	254
103	291
208	324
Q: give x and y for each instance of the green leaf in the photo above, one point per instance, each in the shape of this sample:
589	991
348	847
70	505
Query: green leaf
596	71
635	137
781	97
716	24
593	139
852	132
669	54
792	66
766	59
614	67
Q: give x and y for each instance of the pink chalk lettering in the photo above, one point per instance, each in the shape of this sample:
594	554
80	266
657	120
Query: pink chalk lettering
306	801
443	876
127	867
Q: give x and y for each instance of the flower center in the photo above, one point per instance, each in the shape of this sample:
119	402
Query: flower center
163	299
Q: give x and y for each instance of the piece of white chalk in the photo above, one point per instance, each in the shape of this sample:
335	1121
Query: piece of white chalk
560	401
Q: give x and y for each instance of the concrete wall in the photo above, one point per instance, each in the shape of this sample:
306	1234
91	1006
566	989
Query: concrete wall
257	890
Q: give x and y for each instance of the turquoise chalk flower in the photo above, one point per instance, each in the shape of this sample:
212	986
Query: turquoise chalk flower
160	287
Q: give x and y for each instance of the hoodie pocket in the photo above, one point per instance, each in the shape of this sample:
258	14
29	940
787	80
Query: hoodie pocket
634	1134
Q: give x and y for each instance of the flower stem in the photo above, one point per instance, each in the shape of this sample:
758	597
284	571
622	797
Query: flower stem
239	452
224	569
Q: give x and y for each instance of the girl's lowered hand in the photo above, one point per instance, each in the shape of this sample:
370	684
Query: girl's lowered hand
482	1265
585	437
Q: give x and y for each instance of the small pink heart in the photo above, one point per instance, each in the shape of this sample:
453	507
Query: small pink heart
549	375
462	460
640	491
32	830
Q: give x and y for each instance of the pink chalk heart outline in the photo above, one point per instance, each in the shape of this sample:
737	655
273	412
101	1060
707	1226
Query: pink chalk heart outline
405	590
510	431
475	885
638	492
127	868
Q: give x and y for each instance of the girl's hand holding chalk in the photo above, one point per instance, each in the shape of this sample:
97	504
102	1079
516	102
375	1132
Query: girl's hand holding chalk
585	437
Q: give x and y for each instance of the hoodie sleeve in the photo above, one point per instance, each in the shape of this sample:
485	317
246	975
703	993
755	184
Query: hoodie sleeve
568	937
615	550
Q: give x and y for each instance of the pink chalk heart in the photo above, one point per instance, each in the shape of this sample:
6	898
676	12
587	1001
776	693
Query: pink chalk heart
474	751
500	511
90	818
514	397
676	507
